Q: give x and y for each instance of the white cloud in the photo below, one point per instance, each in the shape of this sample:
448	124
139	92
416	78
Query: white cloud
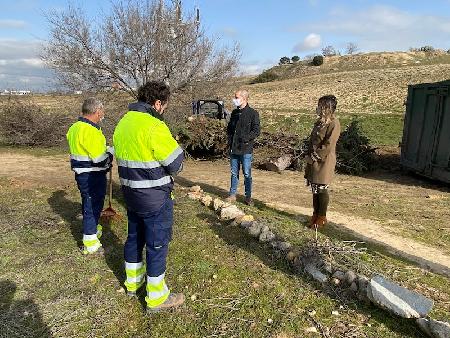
380	28
311	42
255	67
7	23
35	62
21	67
11	49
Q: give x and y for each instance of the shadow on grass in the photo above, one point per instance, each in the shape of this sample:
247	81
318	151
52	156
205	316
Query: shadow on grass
68	210
235	237
332	230
20	318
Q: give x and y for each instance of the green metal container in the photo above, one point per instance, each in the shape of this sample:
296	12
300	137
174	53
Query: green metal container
426	132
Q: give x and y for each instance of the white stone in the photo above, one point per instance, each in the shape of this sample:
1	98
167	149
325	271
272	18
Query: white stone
206	200
218	203
231	212
399	300
284	246
312	270
246	225
434	328
195	188
350	277
339	275
266	236
194	195
254	229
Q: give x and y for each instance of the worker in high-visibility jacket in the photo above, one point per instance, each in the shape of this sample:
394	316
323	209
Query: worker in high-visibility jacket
147	158
90	159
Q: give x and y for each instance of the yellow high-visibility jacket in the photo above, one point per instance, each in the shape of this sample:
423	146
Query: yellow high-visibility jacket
88	150
147	158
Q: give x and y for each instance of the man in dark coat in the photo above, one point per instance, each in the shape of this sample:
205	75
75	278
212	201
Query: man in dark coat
242	131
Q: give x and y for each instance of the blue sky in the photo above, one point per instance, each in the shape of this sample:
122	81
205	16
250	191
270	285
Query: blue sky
265	29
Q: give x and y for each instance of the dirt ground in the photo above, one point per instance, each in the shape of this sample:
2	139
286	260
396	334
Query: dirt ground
364	207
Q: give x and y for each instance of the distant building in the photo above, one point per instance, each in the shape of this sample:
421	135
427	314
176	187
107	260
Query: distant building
78	92
16	92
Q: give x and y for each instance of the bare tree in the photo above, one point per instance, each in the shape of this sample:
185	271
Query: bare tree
138	41
329	51
351	48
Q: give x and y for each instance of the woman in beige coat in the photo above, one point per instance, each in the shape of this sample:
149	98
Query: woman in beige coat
321	157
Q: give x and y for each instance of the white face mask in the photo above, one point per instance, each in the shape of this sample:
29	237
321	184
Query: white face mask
237	102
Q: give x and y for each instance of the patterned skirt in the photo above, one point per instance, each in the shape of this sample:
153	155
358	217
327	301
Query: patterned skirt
316	188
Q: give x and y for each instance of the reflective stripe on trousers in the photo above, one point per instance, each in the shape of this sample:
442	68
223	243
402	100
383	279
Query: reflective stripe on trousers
91	242
157	291
135	275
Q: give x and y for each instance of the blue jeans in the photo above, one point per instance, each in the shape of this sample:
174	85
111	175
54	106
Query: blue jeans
154	231
246	161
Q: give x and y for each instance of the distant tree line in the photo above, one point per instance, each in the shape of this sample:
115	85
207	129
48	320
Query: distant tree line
329	50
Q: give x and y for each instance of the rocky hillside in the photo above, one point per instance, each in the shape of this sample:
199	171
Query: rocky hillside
374	83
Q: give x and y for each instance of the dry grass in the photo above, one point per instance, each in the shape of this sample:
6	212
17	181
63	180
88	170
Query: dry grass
371	91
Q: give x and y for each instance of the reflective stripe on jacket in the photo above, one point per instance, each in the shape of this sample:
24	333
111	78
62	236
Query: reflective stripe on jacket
87	144
147	157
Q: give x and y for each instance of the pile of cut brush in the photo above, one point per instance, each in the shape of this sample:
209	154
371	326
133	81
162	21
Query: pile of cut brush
205	137
280	151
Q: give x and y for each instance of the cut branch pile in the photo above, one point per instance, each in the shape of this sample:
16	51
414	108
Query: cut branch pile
278	151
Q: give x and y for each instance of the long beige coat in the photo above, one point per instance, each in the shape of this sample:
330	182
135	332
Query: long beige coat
322	144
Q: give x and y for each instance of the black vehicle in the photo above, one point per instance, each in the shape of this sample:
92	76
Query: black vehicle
214	109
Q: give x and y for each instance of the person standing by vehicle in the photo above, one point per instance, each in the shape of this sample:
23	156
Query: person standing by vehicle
148	157
242	129
321	157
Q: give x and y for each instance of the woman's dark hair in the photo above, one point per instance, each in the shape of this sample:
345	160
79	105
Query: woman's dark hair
327	106
328	101
153	91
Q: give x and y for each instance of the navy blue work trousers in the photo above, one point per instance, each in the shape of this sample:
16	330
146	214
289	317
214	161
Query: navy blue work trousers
92	187
154	231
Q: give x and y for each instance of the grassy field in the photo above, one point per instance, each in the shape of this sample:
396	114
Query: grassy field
382	130
235	287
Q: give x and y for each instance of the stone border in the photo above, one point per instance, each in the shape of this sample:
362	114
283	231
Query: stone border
377	290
